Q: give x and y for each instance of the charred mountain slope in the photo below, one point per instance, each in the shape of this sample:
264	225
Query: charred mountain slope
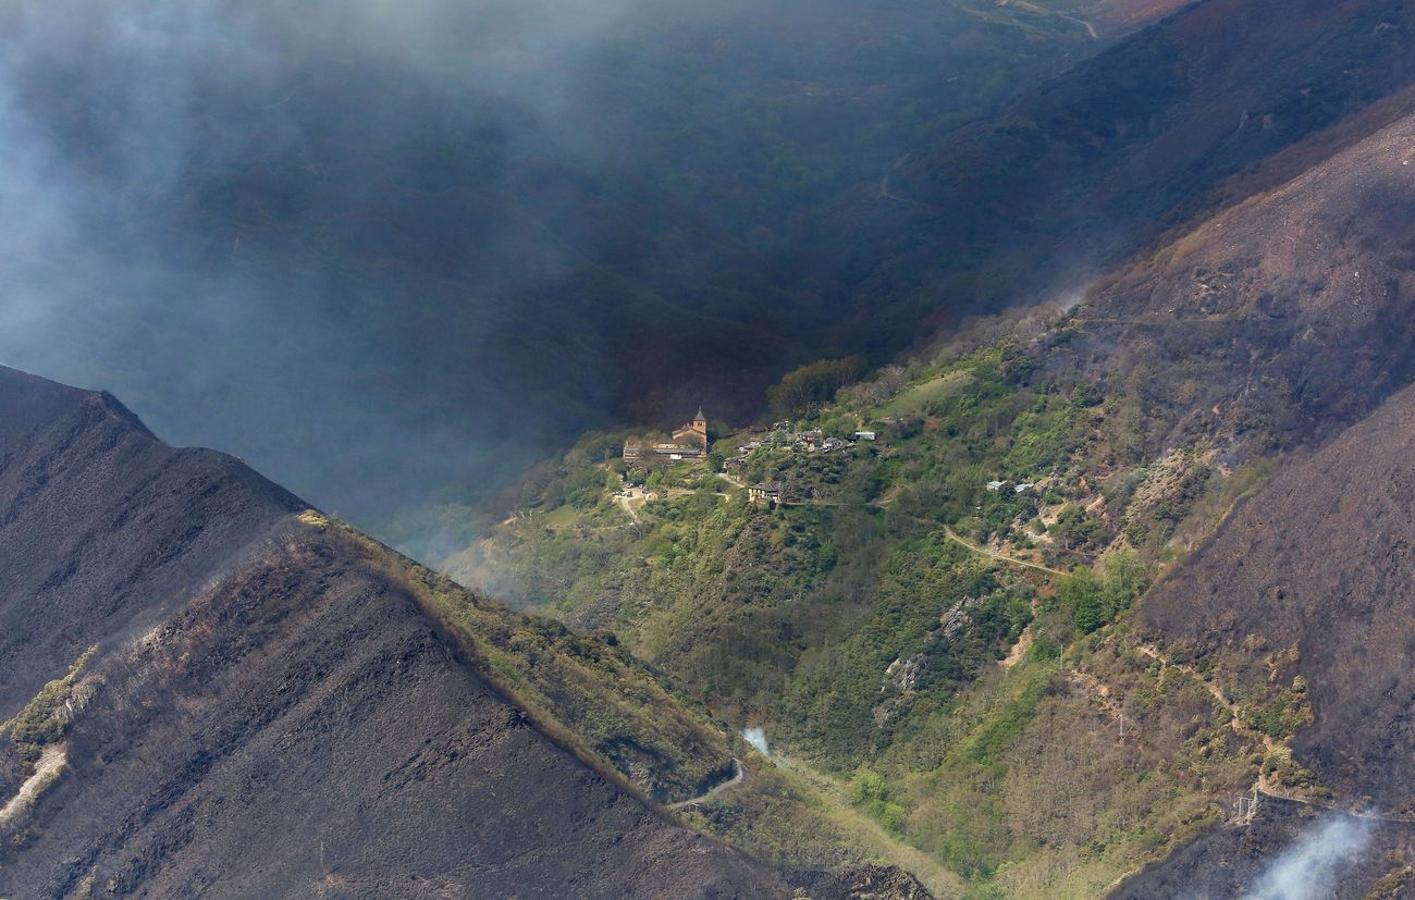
1265	858
1311	578
1278	322
103	527
1322	560
206	691
1081	171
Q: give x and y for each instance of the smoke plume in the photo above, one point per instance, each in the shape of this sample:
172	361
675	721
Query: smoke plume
757	738
1312	866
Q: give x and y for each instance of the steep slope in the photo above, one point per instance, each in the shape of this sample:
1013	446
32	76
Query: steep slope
105	529
1079	172
241	700
1276	323
1287	850
858	622
1309	584
1321	561
1130	427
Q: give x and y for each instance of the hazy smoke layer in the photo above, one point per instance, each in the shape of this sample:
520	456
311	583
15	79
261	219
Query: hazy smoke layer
1313	865
221	212
391	252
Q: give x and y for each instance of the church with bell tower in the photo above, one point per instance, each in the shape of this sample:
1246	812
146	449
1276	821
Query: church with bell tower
690	441
694	432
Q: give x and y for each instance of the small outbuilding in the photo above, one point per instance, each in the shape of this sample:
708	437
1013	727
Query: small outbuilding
768	495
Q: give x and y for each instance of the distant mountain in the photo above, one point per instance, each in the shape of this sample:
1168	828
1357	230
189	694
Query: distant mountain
207	688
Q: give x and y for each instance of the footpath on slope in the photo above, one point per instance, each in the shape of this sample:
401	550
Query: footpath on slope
627	504
1263	786
1001	557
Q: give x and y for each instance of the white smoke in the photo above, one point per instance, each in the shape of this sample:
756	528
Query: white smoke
757	738
1073	296
1310	868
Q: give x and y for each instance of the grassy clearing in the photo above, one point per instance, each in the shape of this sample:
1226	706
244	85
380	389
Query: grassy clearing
916	400
835	799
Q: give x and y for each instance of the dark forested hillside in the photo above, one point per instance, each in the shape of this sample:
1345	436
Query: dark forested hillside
1080	171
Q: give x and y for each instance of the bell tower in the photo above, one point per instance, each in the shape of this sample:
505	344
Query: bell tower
698	427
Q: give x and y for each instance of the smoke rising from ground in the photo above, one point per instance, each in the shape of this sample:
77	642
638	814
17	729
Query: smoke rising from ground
757	738
1313	865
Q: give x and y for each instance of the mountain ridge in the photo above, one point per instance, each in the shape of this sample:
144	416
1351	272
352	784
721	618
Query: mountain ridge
273	696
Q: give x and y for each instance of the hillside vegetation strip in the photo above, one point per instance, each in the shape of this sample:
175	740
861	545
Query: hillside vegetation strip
587	694
37	732
52	761
946	604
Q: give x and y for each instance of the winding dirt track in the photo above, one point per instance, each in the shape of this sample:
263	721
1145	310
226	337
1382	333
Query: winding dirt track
1240	727
739	774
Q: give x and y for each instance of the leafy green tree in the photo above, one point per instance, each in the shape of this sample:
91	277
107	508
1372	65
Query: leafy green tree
1096	599
876	796
1084	594
813	384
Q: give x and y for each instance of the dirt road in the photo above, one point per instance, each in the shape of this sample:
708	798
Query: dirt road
1002	557
739	774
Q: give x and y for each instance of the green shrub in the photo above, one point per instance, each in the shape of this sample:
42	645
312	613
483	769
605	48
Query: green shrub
875	796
